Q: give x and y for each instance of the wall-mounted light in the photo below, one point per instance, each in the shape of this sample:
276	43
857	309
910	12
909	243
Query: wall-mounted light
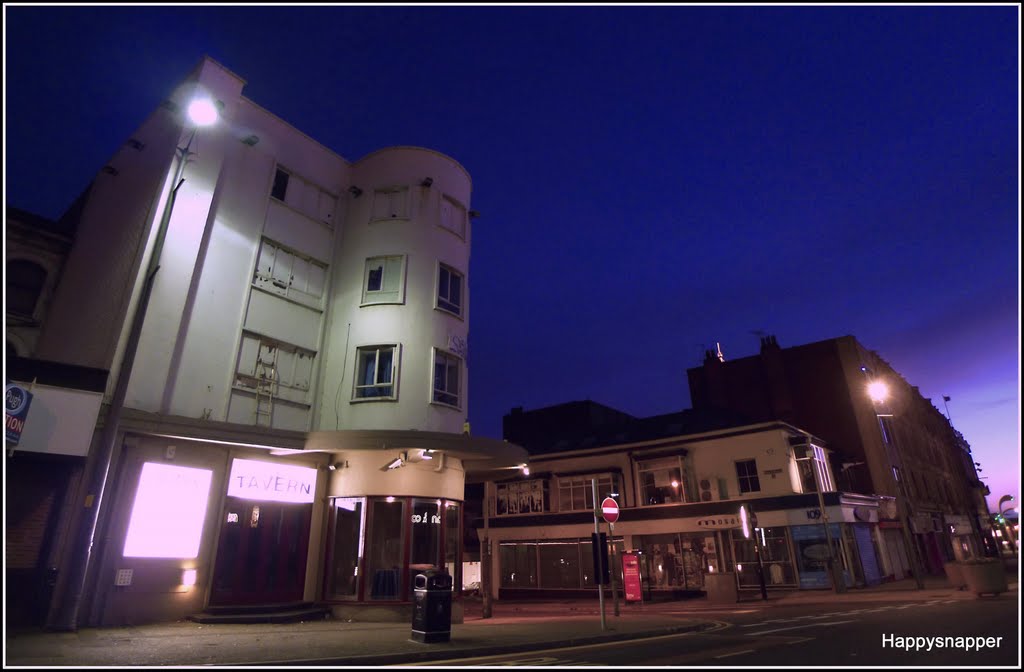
427	454
251	139
526	470
188	578
474	214
427	181
355	191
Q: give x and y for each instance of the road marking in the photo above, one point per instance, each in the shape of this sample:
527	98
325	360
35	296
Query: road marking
797	627
736	653
801	640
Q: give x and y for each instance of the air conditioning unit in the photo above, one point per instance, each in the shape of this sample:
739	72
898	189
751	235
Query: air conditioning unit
708	489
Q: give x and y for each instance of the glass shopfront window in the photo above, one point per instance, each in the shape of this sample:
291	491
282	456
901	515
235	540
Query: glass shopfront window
384	548
679	560
452	541
559	564
347	529
812	554
775	557
518	564
425	553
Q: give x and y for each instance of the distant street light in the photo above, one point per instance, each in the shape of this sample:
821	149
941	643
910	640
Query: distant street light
1009	528
879	393
201	112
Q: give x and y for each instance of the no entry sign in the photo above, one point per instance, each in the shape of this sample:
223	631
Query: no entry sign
610	510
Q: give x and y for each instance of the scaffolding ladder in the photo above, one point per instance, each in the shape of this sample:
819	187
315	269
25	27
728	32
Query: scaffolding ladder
266	383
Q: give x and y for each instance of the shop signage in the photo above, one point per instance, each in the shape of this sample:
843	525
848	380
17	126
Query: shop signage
269	481
631	577
16	402
719	522
813	514
422	518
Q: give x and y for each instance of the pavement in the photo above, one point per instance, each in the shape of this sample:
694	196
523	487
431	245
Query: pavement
521	626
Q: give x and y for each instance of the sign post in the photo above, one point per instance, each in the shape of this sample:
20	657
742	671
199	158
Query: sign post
610	511
598	556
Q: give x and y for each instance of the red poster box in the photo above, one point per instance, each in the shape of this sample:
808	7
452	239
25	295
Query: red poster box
631	576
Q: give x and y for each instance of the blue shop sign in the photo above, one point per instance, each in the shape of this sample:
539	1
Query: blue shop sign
16	402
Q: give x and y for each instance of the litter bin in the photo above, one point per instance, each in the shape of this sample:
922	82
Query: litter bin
432	607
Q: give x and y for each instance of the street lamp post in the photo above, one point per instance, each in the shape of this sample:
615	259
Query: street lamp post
201	112
879	392
817	463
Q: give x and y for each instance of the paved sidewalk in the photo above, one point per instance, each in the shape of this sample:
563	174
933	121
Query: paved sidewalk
515	627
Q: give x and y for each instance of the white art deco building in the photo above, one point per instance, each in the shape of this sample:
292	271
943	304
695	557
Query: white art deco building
293	423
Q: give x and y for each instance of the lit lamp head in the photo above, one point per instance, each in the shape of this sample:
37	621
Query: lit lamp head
878	391
202	112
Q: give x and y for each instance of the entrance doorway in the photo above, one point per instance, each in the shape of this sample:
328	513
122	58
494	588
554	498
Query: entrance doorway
261	558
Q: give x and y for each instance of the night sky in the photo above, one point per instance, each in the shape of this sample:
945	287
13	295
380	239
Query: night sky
652	180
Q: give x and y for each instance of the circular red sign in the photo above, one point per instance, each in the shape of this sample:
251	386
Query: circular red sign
610	510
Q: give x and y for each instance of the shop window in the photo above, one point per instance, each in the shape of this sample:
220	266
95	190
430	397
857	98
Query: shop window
746	474
383	280
518	564
391	203
812	553
775	558
449	290
25	281
347	530
376	372
452	541
447	373
576	493
426	524
661	481
384	548
168	512
559	564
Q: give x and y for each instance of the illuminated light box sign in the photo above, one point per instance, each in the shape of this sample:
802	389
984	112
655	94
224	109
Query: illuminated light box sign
271	482
168	513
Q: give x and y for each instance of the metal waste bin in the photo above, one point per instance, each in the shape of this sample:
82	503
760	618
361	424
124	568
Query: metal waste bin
432	607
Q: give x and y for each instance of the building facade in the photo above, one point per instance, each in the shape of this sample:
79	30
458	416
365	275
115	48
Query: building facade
679	485
900	446
294	403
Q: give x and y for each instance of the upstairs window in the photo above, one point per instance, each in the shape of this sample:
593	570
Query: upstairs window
280	187
25	281
449	290
382	280
661	481
391	203
576	493
447	372
453	216
746	473
376	371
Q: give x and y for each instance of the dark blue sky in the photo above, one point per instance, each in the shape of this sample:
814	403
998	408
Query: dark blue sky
652	180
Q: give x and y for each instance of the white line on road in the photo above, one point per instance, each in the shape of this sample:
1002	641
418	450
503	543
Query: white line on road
796	627
736	653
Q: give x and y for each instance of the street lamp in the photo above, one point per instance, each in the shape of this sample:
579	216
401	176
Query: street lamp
201	112
1009	528
878	391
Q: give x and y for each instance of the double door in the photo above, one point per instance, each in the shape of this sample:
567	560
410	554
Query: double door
261	557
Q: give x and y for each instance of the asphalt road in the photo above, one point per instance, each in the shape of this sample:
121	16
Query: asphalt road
863	634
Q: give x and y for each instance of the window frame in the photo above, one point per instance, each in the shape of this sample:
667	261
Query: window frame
367	298
398	190
434	391
357	372
607	483
743	480
459	308
641	487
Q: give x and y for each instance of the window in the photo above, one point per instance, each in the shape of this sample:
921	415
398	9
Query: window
520	497
449	290
746	473
384	548
280	185
446	378
576	493
376	371
152	533
290	274
24	285
382	280
661	481
347	531
453	216
391	203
